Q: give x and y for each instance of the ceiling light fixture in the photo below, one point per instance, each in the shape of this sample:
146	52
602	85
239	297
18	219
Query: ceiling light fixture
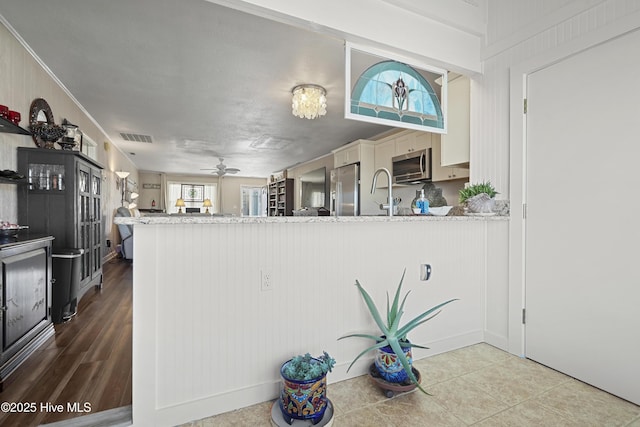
309	101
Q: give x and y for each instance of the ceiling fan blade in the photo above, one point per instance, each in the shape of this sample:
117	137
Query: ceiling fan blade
222	169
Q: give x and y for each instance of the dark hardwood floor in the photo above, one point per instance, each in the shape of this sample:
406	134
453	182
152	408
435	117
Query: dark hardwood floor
87	362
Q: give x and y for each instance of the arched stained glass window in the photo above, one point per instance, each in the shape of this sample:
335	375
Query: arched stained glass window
394	91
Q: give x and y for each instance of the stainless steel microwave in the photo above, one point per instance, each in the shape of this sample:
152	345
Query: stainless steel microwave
413	167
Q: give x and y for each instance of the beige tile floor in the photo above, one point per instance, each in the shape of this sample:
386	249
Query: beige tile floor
477	385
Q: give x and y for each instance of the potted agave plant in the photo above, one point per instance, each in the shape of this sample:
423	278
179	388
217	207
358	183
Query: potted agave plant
304	387
479	198
393	358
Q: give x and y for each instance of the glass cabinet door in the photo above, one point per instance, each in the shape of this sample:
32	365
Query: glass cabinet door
46	177
96	221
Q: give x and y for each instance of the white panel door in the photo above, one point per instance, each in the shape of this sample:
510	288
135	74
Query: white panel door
583	227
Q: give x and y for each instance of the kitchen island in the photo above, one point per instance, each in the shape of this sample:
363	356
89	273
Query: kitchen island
221	302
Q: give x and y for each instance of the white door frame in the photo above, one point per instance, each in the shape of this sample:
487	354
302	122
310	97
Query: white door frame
517	160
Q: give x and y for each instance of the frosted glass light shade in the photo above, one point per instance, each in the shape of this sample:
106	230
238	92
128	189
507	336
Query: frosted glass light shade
309	101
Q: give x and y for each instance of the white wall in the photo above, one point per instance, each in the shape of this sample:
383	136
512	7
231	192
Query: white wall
228	200
230	187
207	339
149	195
23	80
382	24
525	36
519	31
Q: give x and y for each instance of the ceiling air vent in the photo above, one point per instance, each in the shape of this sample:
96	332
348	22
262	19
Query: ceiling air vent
135	137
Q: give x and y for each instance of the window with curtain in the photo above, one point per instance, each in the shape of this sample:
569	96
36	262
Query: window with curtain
175	190
254	201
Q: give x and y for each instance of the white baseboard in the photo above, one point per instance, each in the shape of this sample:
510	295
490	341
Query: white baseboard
497	341
258	393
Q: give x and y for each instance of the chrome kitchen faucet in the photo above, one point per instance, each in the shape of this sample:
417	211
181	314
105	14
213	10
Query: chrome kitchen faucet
389	205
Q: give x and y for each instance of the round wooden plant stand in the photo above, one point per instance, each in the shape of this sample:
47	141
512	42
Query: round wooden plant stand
390	389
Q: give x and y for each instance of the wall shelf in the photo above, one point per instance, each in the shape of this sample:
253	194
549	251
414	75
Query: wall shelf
7	126
4	180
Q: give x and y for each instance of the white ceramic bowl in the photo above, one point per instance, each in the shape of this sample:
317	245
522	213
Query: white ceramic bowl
440	211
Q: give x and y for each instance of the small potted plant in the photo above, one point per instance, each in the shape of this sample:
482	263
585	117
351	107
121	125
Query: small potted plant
393	357
304	387
479	198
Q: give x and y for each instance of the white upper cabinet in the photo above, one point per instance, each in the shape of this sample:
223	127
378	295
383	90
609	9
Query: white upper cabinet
384	152
345	156
455	144
440	172
411	142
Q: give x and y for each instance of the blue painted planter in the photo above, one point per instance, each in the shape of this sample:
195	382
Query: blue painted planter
389	365
303	400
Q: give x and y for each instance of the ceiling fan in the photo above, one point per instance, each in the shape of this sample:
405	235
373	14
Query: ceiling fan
222	169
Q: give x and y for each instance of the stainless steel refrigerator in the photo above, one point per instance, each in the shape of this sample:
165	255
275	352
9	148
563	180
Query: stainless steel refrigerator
345	190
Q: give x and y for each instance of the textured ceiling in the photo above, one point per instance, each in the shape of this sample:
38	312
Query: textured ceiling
204	81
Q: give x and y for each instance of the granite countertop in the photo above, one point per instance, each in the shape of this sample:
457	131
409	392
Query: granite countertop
215	219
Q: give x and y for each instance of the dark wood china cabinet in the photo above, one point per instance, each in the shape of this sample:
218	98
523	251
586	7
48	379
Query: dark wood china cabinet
63	198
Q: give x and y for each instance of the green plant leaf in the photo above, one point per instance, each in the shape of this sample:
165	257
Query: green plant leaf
373	347
393	335
305	367
475	189
426	320
372	337
417	320
372	308
397	349
419	346
396	299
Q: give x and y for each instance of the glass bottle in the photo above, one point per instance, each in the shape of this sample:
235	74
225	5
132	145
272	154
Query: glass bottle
420	205
415	200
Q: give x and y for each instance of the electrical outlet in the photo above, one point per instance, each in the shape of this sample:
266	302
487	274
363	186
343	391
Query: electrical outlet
266	284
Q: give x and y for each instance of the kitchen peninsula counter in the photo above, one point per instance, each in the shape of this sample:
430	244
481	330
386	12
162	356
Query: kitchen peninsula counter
215	219
265	288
